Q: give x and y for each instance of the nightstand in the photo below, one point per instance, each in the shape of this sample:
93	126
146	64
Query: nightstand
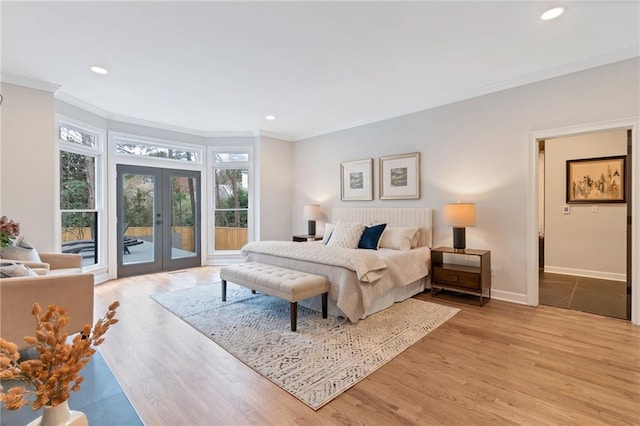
305	238
474	280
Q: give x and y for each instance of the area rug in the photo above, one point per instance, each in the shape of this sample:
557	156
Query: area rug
320	361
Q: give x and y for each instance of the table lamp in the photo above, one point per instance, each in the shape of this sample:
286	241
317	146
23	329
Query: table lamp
312	213
459	215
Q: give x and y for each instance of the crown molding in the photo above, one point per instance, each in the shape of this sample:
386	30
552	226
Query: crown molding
83	105
29	82
274	135
230	134
86	106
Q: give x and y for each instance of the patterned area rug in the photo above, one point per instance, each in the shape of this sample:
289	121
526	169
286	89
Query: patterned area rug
324	358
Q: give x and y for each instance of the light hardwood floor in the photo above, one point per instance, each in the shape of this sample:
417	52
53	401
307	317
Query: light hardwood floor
499	364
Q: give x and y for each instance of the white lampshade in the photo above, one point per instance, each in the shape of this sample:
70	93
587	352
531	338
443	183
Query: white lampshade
312	212
460	215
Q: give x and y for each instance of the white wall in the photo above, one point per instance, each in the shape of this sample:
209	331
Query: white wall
28	163
583	242
474	150
275	185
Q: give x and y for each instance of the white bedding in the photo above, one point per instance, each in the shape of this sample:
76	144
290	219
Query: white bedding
358	277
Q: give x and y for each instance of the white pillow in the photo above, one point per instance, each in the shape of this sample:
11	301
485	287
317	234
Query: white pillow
20	250
328	229
398	238
9	270
346	235
415	240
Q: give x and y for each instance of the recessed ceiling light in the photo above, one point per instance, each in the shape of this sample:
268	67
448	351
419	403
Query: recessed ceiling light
552	13
99	70
270	117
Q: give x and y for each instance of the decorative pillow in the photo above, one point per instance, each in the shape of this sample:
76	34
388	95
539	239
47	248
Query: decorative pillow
415	240
20	250
346	235
10	269
398	238
371	237
328	229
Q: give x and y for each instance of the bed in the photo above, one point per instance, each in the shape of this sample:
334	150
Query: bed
362	281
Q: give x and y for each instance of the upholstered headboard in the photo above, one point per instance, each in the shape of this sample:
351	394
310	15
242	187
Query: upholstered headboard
422	218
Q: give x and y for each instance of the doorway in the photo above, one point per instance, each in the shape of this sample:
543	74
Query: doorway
158	219
584	248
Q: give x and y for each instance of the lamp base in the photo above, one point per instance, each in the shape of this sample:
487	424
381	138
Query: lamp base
311	227
459	240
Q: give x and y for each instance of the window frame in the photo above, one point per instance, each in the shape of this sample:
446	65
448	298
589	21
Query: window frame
213	166
98	153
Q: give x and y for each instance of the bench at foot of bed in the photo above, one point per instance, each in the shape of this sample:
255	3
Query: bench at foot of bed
284	283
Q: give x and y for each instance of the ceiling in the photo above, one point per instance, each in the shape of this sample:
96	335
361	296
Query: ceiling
215	68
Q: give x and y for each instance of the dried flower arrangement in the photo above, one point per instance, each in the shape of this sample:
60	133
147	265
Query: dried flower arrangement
8	230
50	377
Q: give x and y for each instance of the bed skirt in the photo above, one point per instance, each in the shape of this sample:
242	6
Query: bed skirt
385	300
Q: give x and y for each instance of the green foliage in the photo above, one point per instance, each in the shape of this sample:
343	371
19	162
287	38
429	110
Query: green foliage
76	192
232	199
138	209
138	201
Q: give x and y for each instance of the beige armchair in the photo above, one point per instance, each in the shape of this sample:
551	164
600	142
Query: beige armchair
62	283
54	263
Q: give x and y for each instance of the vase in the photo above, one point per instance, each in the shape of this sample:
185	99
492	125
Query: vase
60	415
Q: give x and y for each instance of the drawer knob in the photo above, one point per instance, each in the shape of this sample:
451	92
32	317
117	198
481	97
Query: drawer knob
456	279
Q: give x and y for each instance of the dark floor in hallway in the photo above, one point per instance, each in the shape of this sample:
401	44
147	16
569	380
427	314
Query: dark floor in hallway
602	297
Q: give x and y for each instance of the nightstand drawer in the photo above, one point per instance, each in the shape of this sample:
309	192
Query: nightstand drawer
456	278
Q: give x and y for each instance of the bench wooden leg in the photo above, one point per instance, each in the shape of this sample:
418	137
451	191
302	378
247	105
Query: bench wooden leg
224	290
294	316
325	297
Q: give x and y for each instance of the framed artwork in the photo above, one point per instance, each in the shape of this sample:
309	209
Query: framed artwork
400	177
596	180
356	180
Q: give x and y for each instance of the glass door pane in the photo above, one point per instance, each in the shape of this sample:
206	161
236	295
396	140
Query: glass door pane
139	219
138	232
183	215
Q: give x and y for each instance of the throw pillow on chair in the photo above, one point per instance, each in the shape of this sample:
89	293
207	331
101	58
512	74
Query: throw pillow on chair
20	250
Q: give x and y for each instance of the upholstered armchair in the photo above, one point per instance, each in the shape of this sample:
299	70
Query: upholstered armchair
60	281
56	263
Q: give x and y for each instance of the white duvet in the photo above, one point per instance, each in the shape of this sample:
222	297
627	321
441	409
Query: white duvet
357	276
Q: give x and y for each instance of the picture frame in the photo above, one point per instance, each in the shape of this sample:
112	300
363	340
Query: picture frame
400	176
596	180
356	180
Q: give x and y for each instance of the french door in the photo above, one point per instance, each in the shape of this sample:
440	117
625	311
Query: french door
158	219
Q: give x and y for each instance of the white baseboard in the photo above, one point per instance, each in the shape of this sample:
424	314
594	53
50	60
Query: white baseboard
222	261
507	296
585	273
100	278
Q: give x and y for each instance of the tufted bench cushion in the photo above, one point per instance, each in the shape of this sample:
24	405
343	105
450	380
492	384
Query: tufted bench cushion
284	283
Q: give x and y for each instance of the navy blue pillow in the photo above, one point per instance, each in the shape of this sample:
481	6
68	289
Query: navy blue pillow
370	237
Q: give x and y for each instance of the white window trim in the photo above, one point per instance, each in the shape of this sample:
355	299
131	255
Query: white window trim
101	162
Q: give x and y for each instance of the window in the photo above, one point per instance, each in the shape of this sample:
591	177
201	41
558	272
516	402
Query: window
75	135
80	169
143	149
231	198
